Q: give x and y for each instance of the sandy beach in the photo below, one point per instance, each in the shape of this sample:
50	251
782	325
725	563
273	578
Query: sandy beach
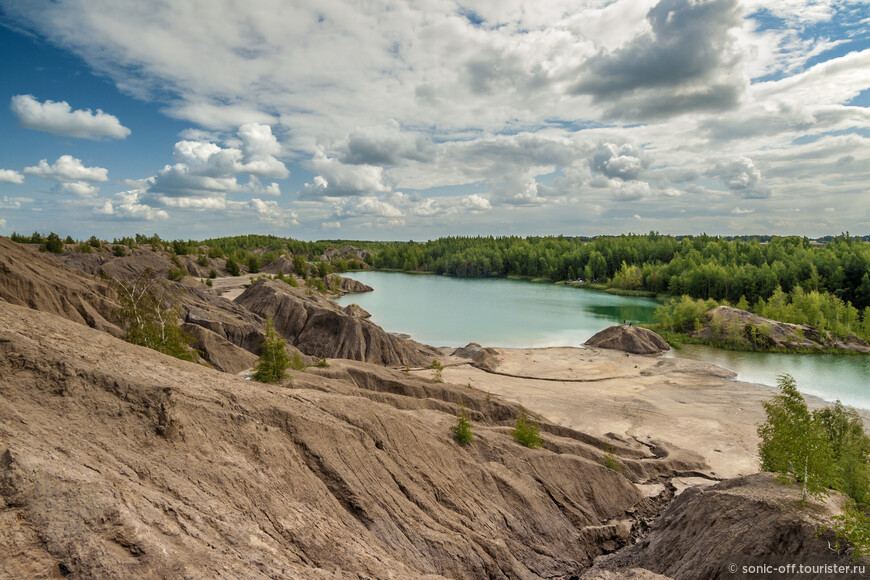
687	406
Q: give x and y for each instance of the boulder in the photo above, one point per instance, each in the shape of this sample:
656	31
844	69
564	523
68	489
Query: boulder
631	339
355	309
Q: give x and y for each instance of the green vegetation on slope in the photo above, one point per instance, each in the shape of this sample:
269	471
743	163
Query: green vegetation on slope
823	450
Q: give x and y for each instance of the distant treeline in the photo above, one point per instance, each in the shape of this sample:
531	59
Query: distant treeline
705	267
700	266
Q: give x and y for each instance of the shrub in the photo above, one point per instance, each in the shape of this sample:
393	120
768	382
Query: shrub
54	244
322	364
119	251
69	240
209	283
611	462
438	368
462	429
212	273
232	267
253	264
526	431
177	273
273	362
202	260
296	364
84	248
95	242
179	247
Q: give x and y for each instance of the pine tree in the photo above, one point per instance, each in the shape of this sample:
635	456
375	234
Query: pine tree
273	363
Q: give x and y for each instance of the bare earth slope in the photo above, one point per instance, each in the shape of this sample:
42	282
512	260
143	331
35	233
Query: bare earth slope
31	279
749	521
119	462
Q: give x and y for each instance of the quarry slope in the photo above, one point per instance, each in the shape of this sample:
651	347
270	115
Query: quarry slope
117	462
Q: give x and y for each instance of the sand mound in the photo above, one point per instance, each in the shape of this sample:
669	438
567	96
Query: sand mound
631	339
320	328
482	358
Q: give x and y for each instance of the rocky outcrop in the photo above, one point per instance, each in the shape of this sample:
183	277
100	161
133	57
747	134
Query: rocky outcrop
119	462
320	328
347	285
747	521
631	339
32	279
482	358
733	325
344	252
355	309
218	351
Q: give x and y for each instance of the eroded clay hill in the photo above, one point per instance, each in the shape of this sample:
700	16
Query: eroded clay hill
28	278
119	462
319	327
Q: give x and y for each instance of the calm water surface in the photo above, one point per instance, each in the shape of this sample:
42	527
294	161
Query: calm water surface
495	312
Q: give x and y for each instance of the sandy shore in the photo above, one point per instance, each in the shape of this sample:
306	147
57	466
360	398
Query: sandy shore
688	405
230	287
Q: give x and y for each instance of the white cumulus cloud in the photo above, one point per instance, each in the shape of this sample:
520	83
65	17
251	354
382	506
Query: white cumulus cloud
60	119
68	168
10	176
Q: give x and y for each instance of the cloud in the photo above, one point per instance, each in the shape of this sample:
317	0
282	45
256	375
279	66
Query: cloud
2	223
266	211
126	205
13	202
205	169
366	206
476	203
59	118
259	148
619	161
78	188
741	176
11	176
385	145
337	179
67	168
685	62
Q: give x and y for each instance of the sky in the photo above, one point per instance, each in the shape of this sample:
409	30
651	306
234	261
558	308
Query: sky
394	120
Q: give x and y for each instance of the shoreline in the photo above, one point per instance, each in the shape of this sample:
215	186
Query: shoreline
691	408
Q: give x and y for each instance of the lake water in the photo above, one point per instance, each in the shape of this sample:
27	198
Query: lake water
444	311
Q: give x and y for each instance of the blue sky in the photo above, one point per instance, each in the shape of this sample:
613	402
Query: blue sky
388	121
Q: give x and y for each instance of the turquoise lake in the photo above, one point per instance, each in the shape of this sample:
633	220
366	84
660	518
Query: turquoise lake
444	311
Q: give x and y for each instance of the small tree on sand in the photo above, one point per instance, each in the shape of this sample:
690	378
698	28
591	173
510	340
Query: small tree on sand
462	429
526	431
273	363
